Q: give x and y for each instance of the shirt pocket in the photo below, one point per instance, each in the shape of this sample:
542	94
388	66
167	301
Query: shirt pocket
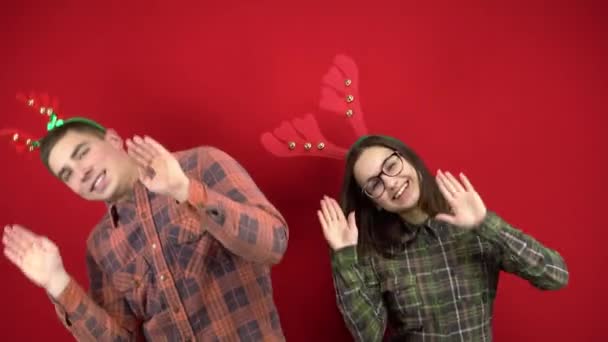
472	306
186	227
404	303
133	283
471	283
471	272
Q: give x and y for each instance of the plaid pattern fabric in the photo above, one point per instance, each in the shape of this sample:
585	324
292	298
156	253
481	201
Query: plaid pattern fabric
441	284
196	271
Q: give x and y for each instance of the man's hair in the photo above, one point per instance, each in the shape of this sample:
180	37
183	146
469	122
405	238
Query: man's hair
50	140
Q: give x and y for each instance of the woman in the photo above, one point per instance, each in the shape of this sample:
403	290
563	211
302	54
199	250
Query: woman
420	252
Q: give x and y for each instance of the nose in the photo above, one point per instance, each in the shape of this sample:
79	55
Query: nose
84	172
390	182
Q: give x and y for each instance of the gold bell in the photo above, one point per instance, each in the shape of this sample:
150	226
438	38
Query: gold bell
28	142
350	98
349	113
42	110
49	111
348	83
292	145
30	102
31	148
307	146
321	146
15	136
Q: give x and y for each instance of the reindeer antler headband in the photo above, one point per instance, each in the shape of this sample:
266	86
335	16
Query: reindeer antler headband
42	104
339	95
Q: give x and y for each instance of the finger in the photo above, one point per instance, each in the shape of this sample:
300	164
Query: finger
446	184
158	148
141	160
337	210
446	218
454	182
15	244
137	149
5	234
325	210
442	187
23	232
329	212
352	222
145	146
17	240
466	182
14	248
322	220
13	257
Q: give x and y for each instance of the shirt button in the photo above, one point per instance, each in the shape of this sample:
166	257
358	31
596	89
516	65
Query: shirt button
162	277
153	246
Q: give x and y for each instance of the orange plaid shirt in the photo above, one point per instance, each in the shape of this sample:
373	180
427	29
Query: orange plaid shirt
196	271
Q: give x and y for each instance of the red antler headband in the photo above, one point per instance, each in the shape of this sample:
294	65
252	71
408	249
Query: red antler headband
42	104
339	95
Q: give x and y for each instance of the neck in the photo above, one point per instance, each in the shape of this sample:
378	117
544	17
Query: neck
131	177
414	216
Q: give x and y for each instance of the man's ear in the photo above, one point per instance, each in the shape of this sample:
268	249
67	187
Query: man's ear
113	138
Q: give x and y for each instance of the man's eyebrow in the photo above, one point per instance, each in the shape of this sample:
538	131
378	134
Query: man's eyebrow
77	149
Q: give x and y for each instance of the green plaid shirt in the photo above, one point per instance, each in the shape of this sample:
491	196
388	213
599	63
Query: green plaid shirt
441	284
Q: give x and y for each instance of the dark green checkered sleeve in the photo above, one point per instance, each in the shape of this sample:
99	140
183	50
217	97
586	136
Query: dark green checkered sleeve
358	295
523	255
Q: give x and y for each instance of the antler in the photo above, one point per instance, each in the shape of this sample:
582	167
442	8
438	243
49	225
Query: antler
40	103
340	92
21	140
289	134
302	136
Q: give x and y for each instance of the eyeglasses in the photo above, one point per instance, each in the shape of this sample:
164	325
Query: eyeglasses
391	167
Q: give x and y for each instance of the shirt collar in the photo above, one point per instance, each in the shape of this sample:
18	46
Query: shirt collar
412	230
113	207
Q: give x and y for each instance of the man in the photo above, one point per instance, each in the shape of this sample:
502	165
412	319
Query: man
183	254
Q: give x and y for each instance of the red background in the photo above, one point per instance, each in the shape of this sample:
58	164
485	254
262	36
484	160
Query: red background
512	93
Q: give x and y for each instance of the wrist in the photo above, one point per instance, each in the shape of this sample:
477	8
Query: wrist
182	189
336	248
57	284
345	256
480	220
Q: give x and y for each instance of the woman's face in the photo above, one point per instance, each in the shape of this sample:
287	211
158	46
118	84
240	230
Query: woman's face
388	179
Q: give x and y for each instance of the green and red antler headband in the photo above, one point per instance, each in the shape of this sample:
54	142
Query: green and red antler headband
42	104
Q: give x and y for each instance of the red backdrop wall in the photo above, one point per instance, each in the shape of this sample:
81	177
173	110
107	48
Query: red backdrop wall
512	93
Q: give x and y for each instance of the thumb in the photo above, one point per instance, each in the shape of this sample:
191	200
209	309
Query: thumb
446	218
143	176
352	222
141	173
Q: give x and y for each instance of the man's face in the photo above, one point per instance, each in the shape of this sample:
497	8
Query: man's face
92	166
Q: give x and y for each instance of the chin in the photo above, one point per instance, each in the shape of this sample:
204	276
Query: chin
405	207
107	195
